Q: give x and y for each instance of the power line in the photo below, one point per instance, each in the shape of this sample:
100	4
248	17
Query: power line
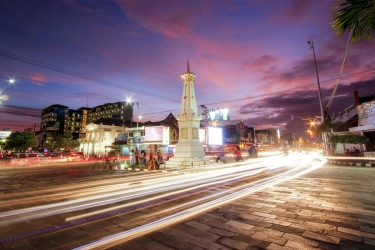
292	89
82	76
90	78
83	91
18	113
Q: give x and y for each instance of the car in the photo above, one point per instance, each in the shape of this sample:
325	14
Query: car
75	156
26	158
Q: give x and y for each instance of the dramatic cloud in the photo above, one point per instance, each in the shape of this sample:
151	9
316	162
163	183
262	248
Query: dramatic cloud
248	56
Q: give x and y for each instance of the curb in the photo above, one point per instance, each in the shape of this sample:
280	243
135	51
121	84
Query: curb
354	164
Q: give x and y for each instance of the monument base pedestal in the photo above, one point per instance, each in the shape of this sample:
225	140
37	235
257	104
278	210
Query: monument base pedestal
188	154
187	162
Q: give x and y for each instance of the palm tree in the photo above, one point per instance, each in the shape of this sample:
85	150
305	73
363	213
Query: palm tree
357	17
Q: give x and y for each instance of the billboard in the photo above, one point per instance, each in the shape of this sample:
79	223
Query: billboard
122	137
154	134
202	135
217	115
215	136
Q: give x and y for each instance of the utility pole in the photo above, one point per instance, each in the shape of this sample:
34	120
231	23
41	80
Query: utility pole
311	43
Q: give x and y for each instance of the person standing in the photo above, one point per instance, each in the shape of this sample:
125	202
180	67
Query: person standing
252	150
143	153
131	157
160	158
136	154
151	155
152	165
237	154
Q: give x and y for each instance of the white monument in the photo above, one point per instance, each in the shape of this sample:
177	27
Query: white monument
189	150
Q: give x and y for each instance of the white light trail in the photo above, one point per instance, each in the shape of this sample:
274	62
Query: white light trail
169	220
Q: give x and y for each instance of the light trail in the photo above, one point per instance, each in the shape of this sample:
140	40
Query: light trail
107	195
146	188
151	189
185	190
172	219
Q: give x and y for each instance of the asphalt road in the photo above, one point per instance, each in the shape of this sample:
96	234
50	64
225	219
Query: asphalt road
258	204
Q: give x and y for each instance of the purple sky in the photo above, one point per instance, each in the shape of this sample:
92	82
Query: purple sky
248	56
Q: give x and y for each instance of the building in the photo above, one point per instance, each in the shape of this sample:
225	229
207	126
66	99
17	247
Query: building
60	119
53	118
108	136
360	118
75	120
267	136
118	110
99	137
289	140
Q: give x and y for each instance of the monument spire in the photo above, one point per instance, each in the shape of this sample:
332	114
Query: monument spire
189	149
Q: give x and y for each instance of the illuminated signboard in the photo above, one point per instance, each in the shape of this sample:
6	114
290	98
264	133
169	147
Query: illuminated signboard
122	137
202	135
165	135
4	134
154	134
217	115
215	136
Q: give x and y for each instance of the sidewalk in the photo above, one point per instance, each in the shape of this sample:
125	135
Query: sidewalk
332	207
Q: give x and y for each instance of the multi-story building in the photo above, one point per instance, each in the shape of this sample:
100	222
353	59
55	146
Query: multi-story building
60	119
53	118
118	110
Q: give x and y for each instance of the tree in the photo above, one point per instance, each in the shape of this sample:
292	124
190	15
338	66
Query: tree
63	142
327	126
354	139
357	17
18	141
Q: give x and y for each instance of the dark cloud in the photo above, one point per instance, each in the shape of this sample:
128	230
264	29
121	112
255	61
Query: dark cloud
276	110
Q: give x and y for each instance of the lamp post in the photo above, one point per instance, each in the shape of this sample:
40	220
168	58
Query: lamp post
311	43
139	117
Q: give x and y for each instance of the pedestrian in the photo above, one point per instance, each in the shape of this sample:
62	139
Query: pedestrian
152	165
160	158
136	154
143	156
131	157
237	154
151	155
251	150
218	159
357	152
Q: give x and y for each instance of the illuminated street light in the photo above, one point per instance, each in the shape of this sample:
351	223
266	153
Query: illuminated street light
129	101
4	97
139	117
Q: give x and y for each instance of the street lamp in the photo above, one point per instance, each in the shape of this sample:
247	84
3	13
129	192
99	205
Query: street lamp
139	117
129	101
311	43
5	97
